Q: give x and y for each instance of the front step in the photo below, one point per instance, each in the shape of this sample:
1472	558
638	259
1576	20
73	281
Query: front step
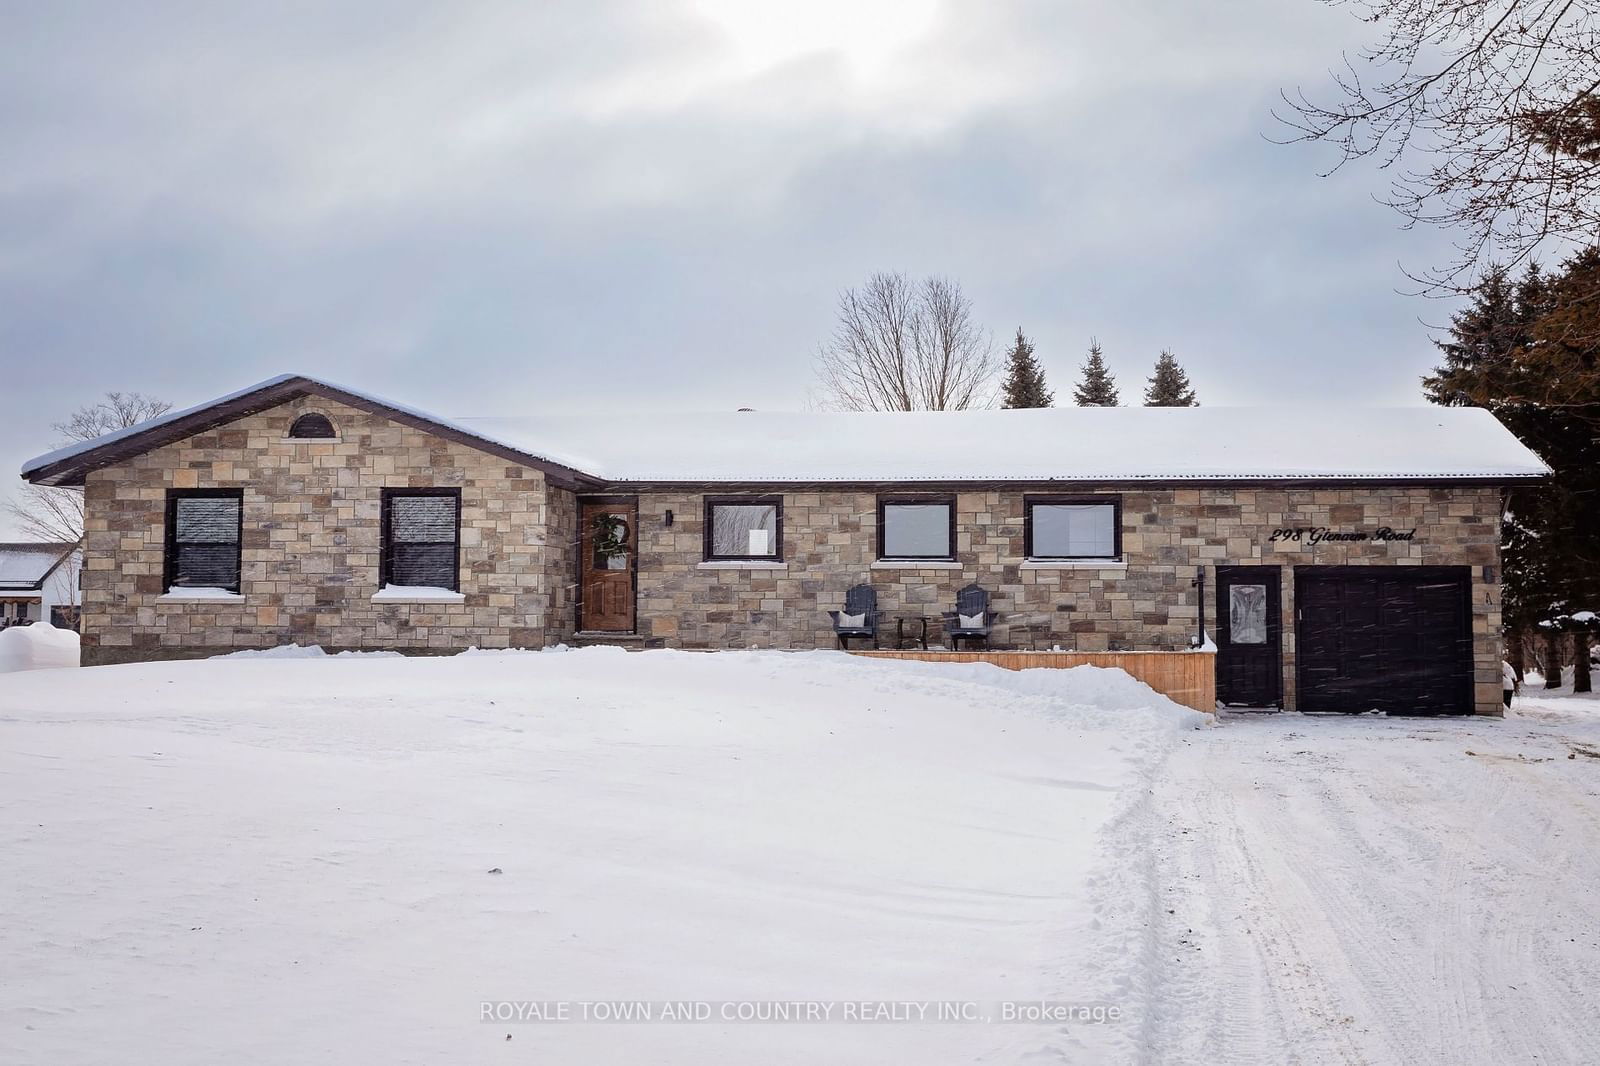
631	641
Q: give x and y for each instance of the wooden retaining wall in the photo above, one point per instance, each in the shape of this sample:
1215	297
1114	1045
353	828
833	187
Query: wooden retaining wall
1186	677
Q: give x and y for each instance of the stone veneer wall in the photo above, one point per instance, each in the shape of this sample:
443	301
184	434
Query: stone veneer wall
311	543
830	543
561	565
310	555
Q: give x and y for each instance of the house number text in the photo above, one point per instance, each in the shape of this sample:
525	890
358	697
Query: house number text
1320	534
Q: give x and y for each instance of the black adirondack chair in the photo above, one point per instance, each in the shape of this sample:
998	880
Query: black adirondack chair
862	600
970	601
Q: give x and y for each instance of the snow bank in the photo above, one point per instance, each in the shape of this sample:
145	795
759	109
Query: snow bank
1085	695
40	646
280	854
303	651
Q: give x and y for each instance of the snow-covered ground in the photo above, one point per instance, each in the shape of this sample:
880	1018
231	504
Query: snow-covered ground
277	858
1370	890
268	859
39	646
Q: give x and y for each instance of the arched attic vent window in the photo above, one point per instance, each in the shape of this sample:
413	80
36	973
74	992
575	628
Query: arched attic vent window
312	427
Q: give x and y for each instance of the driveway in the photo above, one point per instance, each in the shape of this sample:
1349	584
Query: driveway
1378	890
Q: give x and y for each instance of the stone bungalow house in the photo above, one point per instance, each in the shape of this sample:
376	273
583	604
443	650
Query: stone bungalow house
1348	558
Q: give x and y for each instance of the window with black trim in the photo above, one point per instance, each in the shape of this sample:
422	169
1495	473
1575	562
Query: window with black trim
204	529
917	527
1072	527
421	538
312	426
744	529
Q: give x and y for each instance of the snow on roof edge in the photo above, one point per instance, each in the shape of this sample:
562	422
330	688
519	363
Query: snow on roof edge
72	451
1506	470
1067	445
941	479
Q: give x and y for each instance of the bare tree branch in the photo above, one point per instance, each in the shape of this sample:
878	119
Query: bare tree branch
1486	113
48	514
117	411
900	346
56	514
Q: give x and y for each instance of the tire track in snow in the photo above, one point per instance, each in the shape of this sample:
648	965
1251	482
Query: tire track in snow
1387	961
1357	894
1260	983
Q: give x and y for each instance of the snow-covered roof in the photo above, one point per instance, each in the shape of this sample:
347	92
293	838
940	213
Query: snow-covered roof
66	465
83	447
25	566
1056	444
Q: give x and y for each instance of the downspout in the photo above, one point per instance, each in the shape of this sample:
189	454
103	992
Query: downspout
1199	582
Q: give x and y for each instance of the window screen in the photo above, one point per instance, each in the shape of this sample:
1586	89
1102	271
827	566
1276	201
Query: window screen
742	529
421	533
1072	530
919	530
203	539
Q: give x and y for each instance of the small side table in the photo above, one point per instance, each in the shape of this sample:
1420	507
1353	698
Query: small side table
917	638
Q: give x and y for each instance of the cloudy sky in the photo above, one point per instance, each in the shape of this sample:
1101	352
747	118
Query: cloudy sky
620	204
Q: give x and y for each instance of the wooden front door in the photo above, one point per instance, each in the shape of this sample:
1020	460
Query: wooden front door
1249	636
608	537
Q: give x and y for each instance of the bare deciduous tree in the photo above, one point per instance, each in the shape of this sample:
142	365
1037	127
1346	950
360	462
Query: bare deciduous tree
56	514
119	410
1486	113
901	346
48	514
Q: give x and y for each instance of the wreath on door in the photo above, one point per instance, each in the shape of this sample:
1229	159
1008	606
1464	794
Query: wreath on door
611	541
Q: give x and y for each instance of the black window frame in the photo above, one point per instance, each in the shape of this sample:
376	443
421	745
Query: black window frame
386	539
1114	501
332	434
947	499
169	554
712	502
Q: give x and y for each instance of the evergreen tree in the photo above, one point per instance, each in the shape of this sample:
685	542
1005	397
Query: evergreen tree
1480	369
1098	388
1520	349
1480	356
1024	386
1169	385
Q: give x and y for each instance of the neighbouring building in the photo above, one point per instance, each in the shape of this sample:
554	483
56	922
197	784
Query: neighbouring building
39	582
1342	559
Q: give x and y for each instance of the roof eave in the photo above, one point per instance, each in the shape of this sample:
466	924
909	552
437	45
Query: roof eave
60	559
71	471
1152	481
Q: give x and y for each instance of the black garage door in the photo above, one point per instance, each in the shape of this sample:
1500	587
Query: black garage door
1390	638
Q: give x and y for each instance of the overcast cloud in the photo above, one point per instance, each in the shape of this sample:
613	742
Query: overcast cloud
617	205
